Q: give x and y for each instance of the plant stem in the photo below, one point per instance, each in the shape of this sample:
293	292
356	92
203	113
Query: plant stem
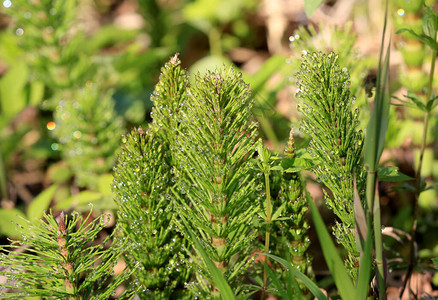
378	244
374	218
412	257
267	235
214	39
3	185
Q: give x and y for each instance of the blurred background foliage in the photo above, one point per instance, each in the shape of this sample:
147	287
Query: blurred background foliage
76	74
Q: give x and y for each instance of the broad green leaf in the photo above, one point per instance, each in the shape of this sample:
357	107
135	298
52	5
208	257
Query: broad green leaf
218	278
313	288
310	6
302	161
334	262
104	184
9	218
12	97
40	203
293	165
84	197
36	93
392	174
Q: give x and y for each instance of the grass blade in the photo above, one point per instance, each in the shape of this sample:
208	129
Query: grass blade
363	280
378	124
218	278
334	262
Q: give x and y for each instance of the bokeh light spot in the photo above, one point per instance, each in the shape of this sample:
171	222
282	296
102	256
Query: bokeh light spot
77	134
7	3
54	146
51	125
400	12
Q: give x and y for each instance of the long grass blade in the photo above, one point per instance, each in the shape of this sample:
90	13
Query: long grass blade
218	278
334	262
363	280
378	124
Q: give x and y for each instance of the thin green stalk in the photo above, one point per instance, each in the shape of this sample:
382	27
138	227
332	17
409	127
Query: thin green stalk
3	186
373	217
268	233
412	258
378	244
214	39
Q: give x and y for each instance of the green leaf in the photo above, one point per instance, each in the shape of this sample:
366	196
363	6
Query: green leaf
278	211
430	22
378	123
302	161
432	103
218	278
41	202
104	184
293	165
313	288
310	6
36	93
334	262
359	220
80	198
423	38
392	174
269	67
12	98
365	265
9	218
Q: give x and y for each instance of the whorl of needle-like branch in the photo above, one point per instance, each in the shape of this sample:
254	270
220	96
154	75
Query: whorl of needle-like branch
213	152
60	259
328	118
141	182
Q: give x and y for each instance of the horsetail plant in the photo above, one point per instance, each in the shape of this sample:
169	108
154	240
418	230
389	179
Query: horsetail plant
168	99
293	230
327	117
214	146
265	166
88	129
63	258
146	215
